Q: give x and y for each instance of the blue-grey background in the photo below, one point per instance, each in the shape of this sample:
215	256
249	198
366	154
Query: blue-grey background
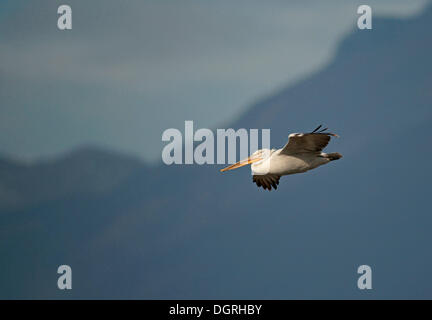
81	118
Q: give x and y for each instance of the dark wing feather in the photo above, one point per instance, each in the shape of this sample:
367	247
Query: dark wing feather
317	128
267	181
313	142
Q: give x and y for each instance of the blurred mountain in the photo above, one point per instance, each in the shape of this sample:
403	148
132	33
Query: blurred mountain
192	232
87	171
377	78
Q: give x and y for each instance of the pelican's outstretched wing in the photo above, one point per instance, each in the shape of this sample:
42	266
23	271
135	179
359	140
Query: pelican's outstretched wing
267	181
312	142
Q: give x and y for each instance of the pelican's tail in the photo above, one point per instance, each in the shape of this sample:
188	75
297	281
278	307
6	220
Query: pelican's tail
333	156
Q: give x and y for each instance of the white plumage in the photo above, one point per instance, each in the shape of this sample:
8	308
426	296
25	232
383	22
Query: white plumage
303	152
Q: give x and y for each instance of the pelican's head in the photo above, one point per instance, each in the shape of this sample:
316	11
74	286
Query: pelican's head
256	157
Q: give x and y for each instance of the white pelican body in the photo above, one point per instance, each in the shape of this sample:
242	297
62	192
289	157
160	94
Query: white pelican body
282	164
303	152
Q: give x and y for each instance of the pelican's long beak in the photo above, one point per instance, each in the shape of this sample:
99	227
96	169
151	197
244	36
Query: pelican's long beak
242	163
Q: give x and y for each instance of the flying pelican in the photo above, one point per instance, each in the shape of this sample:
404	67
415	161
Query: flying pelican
303	152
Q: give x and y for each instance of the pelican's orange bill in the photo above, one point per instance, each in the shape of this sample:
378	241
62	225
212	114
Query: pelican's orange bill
241	164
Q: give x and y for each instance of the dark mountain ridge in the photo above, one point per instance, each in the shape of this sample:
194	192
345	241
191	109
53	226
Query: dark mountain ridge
85	171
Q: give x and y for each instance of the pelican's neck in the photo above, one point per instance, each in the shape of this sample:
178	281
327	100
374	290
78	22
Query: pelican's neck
263	166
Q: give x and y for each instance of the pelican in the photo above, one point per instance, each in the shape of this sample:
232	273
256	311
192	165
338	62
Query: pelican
303	152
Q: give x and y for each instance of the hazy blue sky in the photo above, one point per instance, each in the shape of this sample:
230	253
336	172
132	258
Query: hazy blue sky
130	69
